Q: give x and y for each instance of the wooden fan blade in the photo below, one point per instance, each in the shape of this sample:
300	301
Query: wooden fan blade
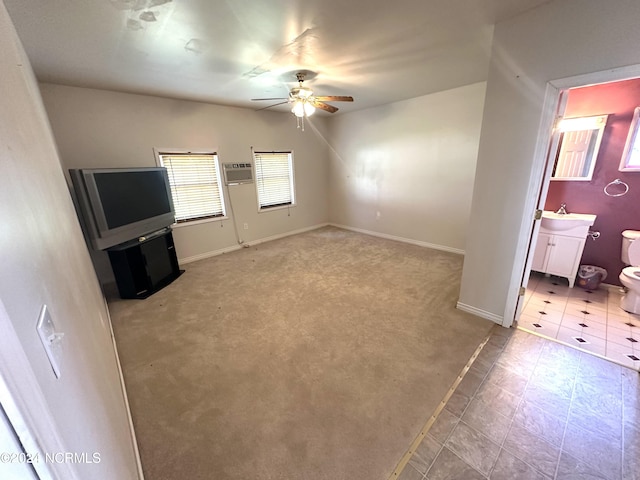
325	106
335	98
274	105
260	99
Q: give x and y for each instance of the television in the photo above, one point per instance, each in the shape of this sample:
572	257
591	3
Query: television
122	204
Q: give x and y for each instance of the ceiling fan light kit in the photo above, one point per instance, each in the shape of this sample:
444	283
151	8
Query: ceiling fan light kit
303	108
304	102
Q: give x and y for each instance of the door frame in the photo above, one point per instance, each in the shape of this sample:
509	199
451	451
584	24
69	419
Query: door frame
541	177
25	405
14	466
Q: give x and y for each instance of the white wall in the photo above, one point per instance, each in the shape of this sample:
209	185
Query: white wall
411	161
97	128
45	261
560	39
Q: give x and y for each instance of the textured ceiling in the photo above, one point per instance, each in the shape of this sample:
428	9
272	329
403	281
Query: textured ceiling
228	52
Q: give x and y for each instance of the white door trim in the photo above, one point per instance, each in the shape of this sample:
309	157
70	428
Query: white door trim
14	463
538	181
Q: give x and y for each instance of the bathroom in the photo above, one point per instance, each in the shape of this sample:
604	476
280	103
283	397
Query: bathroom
616	210
614	213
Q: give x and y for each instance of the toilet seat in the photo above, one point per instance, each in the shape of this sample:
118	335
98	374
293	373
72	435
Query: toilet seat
632	273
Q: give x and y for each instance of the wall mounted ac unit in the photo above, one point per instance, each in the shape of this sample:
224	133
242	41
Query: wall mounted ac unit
237	173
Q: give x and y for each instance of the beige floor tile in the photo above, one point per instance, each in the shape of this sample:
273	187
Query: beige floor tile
618	315
573	322
553	316
619	329
595	328
575	310
599	316
606	321
623	339
591	344
592	306
539	303
540	327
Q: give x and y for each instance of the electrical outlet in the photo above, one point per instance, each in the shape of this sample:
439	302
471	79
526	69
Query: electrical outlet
246	226
377	215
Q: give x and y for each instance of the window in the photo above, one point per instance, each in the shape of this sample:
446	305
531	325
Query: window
631	156
274	179
195	185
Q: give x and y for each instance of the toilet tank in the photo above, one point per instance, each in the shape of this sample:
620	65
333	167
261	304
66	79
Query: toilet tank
628	236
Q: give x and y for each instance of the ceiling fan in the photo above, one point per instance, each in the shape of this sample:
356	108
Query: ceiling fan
303	100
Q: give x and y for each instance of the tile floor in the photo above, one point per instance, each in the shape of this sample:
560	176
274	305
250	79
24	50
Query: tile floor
533	408
592	321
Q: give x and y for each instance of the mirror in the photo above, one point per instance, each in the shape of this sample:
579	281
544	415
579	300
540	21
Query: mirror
631	155
578	147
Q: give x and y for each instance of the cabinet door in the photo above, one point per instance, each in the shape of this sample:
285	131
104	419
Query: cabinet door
565	255
540	253
158	261
143	268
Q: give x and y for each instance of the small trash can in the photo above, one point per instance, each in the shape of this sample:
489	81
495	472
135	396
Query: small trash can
590	276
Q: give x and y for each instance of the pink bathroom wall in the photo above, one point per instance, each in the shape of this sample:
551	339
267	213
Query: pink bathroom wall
615	214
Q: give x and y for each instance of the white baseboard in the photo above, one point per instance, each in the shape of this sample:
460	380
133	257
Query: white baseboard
287	234
480	313
233	248
401	239
246	244
611	287
212	253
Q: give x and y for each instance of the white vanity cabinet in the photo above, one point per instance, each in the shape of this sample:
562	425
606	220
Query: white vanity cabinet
560	244
558	255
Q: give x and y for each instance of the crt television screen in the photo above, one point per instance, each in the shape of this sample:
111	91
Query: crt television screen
128	197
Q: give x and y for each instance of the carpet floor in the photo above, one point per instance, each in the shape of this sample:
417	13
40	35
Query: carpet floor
316	356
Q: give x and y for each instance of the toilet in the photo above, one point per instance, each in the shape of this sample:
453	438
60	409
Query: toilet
630	276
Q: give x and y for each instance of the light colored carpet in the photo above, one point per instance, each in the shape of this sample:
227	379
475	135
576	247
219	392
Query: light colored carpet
316	356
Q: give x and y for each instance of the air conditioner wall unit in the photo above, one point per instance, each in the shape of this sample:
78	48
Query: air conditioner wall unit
237	173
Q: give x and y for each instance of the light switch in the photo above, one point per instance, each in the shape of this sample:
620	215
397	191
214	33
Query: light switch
51	339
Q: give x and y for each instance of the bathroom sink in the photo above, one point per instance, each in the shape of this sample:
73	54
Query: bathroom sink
559	222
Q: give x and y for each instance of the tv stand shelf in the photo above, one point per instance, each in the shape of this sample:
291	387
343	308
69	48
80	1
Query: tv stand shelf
145	265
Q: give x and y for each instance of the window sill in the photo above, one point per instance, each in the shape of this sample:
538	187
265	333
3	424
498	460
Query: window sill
271	209
198	222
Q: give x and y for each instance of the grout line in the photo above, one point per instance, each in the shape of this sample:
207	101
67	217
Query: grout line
416	443
566	423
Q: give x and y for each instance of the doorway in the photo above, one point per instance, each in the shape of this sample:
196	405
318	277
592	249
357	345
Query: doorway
579	197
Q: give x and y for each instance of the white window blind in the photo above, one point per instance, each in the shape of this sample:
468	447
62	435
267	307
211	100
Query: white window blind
195	185
274	179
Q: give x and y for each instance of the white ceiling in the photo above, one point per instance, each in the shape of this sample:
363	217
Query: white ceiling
230	51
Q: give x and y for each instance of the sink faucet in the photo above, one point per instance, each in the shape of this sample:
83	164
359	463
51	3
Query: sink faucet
563	209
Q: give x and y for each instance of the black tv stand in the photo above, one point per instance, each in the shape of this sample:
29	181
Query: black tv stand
145	265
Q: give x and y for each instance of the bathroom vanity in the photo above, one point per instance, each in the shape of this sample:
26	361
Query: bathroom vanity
560	244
